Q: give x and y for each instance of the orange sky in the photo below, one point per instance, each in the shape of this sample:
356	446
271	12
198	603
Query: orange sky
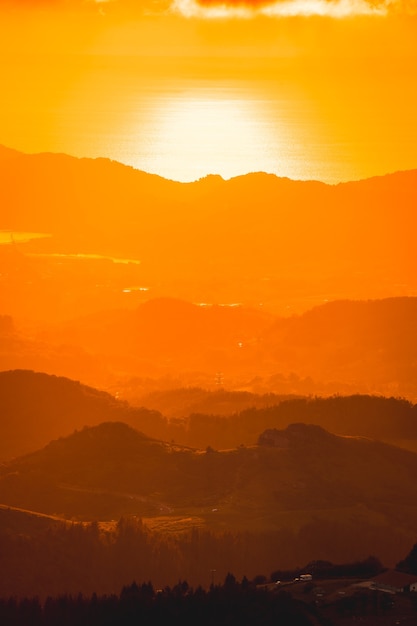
349	28
349	64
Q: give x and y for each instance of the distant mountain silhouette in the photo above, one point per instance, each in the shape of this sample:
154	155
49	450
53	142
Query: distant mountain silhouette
96	195
167	332
30	350
8	153
36	408
372	343
254	238
342	346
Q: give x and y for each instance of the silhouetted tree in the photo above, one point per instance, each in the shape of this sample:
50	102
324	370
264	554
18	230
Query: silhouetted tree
409	564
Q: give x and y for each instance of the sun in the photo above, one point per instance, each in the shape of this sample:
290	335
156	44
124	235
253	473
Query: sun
191	134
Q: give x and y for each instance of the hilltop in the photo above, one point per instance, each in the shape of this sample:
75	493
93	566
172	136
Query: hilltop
37	407
301	477
344	346
253	239
110	504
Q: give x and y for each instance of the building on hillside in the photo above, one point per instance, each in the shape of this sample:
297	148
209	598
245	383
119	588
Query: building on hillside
393	581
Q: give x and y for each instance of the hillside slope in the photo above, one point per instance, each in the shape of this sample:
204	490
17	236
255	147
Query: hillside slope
36	407
347	346
112	469
252	239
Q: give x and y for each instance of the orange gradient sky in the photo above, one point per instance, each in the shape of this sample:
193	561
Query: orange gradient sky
301	88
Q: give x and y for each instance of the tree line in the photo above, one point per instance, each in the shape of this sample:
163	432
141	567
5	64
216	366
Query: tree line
371	416
231	604
75	557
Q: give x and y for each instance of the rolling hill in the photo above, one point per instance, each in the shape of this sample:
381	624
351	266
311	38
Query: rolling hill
169	512
36	407
363	343
248	239
343	346
294	477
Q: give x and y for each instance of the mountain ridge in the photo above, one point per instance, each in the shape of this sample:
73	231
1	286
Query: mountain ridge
108	470
7	152
37	407
117	233
368	345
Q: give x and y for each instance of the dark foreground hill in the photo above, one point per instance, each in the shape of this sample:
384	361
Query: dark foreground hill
300	467
337	494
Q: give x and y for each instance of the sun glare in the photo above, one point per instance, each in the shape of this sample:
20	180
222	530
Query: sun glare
189	133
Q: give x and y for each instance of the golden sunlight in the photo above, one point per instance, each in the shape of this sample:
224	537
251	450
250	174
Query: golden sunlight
282	8
188	133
